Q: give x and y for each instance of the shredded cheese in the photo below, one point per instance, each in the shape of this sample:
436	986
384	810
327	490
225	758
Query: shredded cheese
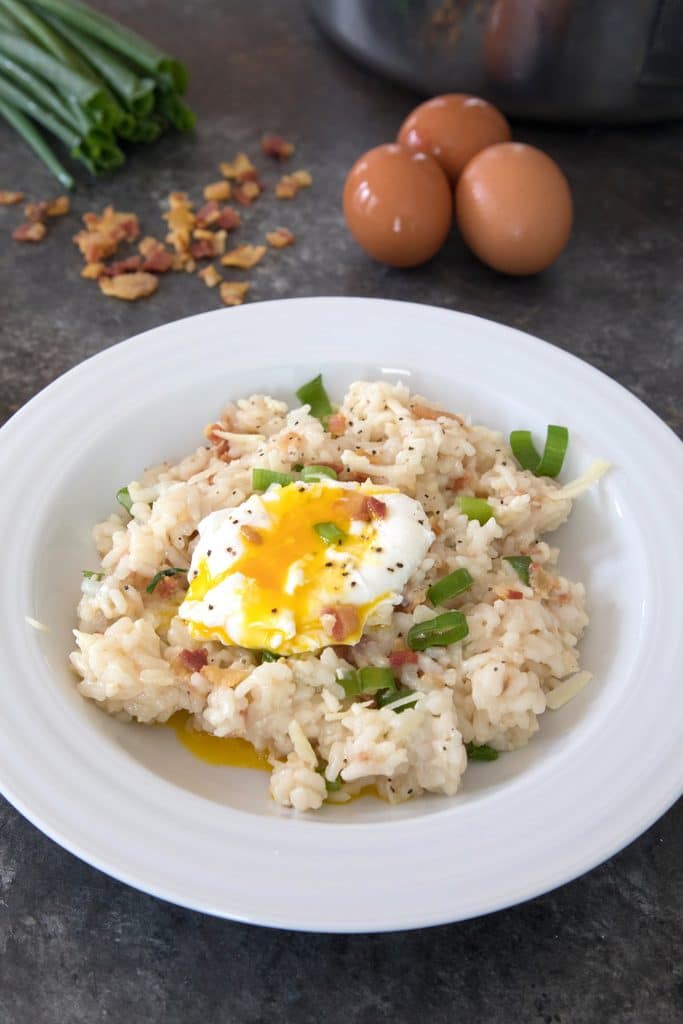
301	745
595	471
567	690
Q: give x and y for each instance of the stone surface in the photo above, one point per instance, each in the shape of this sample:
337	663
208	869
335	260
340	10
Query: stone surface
76	946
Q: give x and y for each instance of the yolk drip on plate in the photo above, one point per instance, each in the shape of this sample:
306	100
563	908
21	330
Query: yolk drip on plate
302	566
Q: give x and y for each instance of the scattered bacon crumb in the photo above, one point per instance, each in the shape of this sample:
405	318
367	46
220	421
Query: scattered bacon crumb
250	534
233	293
248	192
208	244
208	214
244	256
194	660
280	238
127	266
11	198
37	211
239	169
515	595
336	424
276	146
210	276
229	218
303	179
104	231
157	258
376	508
225	676
344	622
129	286
286	187
398	658
221	445
180	220
217	190
167	586
58	207
30	231
92	271
425	412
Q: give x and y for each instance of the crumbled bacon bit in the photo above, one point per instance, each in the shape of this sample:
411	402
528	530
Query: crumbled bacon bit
208	245
229	218
103	232
233	293
92	271
515	595
37	211
126	266
286	187
194	660
280	238
425	412
248	192
221	445
398	658
129	286
210	276
376	508
361	507
167	585
208	214
157	257
239	167
336	424
251	535
58	207
244	256
217	190
225	676
10	198
302	178
30	231
276	146
344	622
180	220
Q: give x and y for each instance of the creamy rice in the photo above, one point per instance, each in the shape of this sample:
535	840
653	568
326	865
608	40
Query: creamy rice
134	656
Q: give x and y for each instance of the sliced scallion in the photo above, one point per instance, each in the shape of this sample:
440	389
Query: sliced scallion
480	752
329	532
445	629
123	497
455	583
387	698
269	656
313	394
155	580
475	508
521	564
331	785
548	464
261	479
370	679
88	574
311	473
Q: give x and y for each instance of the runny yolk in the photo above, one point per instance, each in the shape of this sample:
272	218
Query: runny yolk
230	751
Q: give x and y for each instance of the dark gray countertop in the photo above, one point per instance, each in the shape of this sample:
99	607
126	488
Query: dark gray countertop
76	946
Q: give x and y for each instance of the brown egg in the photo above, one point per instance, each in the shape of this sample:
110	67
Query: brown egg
453	129
398	205
514	208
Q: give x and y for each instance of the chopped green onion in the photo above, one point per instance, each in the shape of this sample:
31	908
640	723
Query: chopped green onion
32	137
313	394
155	580
370	679
445	629
329	532
548	464
88	574
476	508
455	583
269	656
481	752
331	785
297	467
521	564
123	497
387	697
310	473
261	479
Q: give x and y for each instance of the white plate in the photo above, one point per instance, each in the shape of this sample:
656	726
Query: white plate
131	801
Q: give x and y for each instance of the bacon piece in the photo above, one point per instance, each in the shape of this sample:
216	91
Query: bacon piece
126	266
181	220
103	232
10	198
203	249
229	218
376	508
425	412
280	238
276	146
336	424
158	262
58	207
217	190
220	445
361	506
515	595
194	660
345	620
244	256
37	211
129	286
233	293
251	535
208	214
239	168
398	658
91	271
167	586
210	276
248	192
31	231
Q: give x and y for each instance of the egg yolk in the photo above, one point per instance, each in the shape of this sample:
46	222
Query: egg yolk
289	567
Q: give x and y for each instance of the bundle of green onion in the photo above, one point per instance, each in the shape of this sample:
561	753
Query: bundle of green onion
87	80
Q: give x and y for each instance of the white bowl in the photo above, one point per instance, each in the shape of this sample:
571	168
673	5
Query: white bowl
130	800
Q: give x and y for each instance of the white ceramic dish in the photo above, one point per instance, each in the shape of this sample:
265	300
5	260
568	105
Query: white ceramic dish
131	801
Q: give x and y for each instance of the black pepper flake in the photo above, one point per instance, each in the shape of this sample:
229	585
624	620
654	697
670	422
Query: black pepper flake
390	569
399	565
328	565
379	550
210	607
273	611
353	583
208	553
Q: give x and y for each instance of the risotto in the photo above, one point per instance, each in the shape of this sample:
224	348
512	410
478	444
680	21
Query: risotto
363	594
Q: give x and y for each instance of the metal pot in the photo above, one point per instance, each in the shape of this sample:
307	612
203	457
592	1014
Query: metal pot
553	60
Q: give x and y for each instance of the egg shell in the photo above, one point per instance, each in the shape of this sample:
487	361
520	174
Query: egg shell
514	208
398	205
453	128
